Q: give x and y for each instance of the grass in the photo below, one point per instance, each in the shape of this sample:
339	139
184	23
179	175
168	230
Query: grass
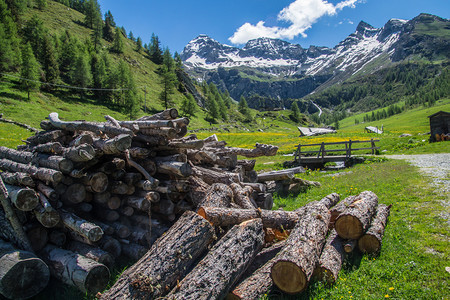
415	250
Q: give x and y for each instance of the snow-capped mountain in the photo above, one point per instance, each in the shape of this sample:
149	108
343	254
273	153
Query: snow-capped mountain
289	71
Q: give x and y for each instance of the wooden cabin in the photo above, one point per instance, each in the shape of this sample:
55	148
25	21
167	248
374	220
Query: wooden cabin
439	126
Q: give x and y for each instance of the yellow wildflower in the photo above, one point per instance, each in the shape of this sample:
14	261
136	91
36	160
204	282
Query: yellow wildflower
391	288
386	296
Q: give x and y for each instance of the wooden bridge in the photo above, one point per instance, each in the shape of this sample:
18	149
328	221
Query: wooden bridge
322	156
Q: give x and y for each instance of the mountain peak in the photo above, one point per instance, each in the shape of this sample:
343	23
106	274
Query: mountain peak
363	26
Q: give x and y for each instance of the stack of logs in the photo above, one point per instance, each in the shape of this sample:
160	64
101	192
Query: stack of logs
240	265
84	194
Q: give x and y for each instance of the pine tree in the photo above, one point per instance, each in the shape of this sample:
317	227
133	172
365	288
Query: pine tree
97	33
167	81
295	112
30	70
33	33
14	41
138	44
155	50
17	7
178	61
212	107
118	44
92	13
49	63
81	73
168	60
6	53
108	32
189	106
99	75
244	110
131	36
41	4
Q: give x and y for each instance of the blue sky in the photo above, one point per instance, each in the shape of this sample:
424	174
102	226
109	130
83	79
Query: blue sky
233	22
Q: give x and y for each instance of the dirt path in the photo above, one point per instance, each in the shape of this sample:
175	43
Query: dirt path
436	166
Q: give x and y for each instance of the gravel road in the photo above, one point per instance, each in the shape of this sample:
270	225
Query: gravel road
436	166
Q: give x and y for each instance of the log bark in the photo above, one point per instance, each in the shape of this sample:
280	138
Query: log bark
23	157
259	150
20	238
17	178
264	200
47	191
257	187
97	128
294	264
242	196
213	277
24	199
198	191
81	153
91	252
110	245
46	137
44	174
141	203
340	208
76	270
166	262
220	216
155	124
174	168
330	261
82	227
275	175
83	138
355	220
371	241
181	157
57	163
50	148
211	177
134	251
37	235
167	133
168	114
96	182
75	193
114	146
45	213
218	195
23	275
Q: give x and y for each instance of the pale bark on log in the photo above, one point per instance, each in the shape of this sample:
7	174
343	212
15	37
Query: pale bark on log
166	262
275	175
139	152
45	213
57	163
259	150
146	124
220	216
165	132
91	252
115	145
76	270
330	200
168	114
355	220
174	168
50	148
44	174
218	195
97	128
330	261
22	157
295	263
148	185
81	153
20	238
46	137
194	144
371	241
17	178
258	187
24	199
211	177
213	277
22	275
82	227
83	138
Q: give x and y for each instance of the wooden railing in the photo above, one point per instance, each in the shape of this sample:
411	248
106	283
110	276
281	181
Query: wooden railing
321	154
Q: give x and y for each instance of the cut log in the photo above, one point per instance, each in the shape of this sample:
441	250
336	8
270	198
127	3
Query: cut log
198	191
174	168
96	182
22	275
213	277
155	124
120	230
97	128
45	213
264	200
211	177
24	199
23	157
192	144
218	195
168	133
295	263
257	187
371	241
164	207
114	146
94	253
350	245
260	150
181	157
83	138
153	140
76	270
44	174
46	137
140	203
102	198
148	185
355	220
17	178
330	261
275	175
81	153
110	245
340	208
82	227
47	191
220	216
166	262
242	196
58	163
50	148
330	200
168	114
75	193
132	178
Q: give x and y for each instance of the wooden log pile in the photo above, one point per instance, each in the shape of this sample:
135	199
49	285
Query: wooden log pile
87	193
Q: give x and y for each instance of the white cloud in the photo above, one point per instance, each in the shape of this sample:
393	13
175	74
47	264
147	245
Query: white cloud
301	14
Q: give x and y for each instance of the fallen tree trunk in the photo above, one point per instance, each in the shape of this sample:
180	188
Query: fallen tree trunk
371	241
83	273
222	216
356	218
330	261
294	264
22	275
166	262
223	264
